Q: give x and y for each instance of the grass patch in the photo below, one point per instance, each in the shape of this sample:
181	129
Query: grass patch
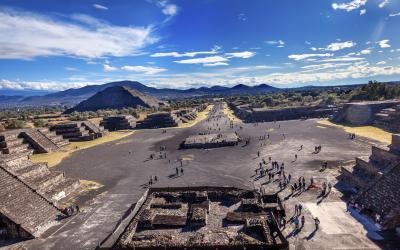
365	131
87	185
229	113
54	158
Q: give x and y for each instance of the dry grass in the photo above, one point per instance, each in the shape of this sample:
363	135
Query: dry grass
55	158
229	113
87	185
365	131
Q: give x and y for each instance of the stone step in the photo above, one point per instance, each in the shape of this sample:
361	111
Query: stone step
62	189
24	206
44	182
32	171
15	149
39	141
11	143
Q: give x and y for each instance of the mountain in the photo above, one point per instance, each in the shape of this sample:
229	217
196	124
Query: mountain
71	97
115	97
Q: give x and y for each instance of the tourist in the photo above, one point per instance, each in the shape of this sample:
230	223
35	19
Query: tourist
181	171
299	208
177	171
316	222
289	177
296	222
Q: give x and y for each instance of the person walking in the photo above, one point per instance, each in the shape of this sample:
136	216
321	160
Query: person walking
316	222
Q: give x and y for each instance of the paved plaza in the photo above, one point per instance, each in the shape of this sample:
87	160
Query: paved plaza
128	166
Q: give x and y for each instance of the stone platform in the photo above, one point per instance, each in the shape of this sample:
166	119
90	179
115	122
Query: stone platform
211	140
203	218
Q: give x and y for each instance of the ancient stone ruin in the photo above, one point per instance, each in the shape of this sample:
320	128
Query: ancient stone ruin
377	179
120	122
362	113
187	115
388	119
30	141
116	97
159	120
79	131
254	114
211	140
30	193
205	218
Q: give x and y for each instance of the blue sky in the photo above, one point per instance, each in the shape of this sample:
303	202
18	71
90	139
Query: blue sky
55	45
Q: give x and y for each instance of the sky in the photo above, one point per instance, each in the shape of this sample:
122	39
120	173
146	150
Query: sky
52	45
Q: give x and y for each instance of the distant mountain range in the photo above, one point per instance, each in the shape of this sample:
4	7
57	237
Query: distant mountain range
72	97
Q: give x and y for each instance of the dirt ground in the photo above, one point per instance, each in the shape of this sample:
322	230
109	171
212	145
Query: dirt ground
124	168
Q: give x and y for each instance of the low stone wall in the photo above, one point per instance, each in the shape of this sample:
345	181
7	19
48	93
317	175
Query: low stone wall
362	113
269	115
382	156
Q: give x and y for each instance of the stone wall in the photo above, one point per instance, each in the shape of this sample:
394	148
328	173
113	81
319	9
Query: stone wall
362	113
268	115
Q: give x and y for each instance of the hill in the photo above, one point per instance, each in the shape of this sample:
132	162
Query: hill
115	97
74	96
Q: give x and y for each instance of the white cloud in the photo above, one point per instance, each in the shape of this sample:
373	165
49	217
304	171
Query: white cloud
362	12
342	59
381	63
215	64
242	17
167	8
203	60
365	52
71	69
394	14
278	43
100	7
353	5
298	57
144	69
108	68
316	67
186	54
24	35
340	46
384	44
170	10
383	4
243	54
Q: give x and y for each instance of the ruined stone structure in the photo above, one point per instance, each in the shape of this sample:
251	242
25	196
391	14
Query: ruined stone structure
79	131
30	141
362	113
204	218
116	97
378	180
120	122
388	119
160	120
211	140
187	115
248	114
30	195
24	213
